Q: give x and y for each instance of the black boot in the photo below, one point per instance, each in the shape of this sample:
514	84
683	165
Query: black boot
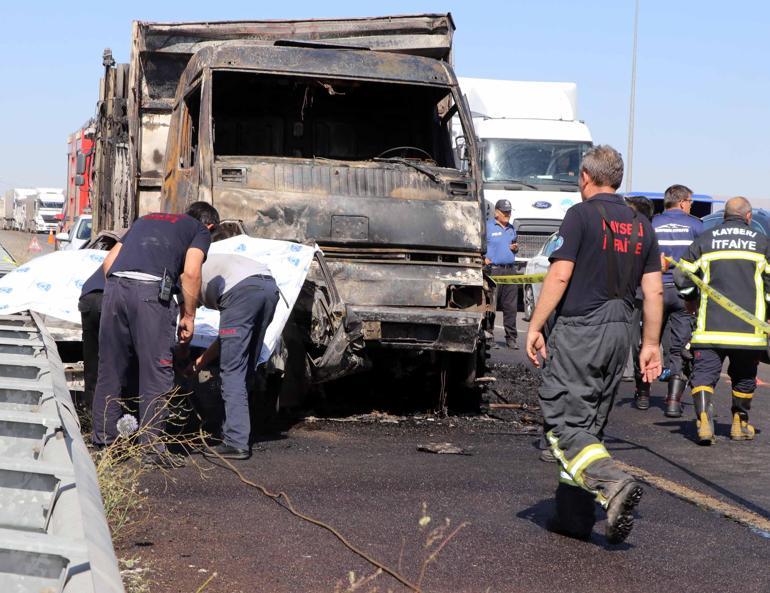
575	512
642	395
704	418
618	492
676	387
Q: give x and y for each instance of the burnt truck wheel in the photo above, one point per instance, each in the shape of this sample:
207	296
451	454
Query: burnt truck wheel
466	394
529	302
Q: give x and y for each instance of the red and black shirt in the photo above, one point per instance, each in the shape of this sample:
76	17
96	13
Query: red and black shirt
584	238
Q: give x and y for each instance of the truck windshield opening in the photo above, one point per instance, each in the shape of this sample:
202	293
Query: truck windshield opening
533	162
288	116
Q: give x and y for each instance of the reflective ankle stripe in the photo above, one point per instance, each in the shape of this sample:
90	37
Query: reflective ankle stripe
564	478
742	395
557	452
585	458
700	388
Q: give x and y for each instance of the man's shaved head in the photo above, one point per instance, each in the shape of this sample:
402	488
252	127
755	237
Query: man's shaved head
737	206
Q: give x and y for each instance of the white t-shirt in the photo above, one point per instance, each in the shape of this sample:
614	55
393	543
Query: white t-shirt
223	271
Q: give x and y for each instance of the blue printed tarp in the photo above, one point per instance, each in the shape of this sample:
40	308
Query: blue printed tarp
51	284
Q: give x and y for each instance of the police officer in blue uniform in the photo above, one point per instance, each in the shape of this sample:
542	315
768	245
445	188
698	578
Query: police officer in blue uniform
500	259
675	229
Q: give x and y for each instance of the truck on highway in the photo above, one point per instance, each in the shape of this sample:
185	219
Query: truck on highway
336	132
16	208
6	209
80	155
43	211
532	143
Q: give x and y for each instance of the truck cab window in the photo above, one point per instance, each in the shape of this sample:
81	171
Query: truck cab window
282	116
189	131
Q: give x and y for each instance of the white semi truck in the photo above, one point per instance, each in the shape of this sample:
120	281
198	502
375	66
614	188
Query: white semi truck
44	213
531	143
15	208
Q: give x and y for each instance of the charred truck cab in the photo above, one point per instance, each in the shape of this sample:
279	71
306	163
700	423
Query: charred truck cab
339	133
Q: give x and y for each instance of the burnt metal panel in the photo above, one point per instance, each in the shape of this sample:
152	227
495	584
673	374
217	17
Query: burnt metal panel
393	284
420	34
415	328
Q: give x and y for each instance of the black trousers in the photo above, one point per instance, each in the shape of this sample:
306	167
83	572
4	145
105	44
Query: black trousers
134	325
742	370
680	324
507	300
90	307
586	357
246	311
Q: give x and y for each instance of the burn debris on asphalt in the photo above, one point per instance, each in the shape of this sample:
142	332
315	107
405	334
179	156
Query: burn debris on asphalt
442	449
513	396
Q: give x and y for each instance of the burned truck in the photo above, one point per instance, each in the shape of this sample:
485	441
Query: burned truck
336	132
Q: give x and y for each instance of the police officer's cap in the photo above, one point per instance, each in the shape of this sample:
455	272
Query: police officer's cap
503	205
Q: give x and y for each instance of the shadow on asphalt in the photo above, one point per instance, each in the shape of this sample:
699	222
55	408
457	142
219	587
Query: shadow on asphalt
705	481
540	514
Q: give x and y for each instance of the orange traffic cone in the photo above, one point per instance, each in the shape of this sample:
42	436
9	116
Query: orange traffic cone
34	245
50	237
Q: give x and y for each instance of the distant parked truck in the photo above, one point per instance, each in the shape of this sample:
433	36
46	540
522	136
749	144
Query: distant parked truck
80	157
43	212
532	144
15	208
6	210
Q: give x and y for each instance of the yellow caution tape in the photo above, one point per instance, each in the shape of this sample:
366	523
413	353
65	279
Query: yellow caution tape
519	279
722	300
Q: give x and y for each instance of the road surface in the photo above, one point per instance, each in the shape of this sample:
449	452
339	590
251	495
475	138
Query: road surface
370	481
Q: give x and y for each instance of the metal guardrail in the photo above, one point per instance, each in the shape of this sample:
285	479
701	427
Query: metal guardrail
54	536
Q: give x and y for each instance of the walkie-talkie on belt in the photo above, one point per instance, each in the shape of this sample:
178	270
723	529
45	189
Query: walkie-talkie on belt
166	285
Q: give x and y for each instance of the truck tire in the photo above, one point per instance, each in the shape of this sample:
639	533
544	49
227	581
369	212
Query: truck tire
529	302
465	392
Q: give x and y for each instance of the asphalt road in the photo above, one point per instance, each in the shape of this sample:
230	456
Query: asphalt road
370	481
18	245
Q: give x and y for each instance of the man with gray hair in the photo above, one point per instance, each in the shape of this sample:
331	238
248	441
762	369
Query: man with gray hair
734	259
604	251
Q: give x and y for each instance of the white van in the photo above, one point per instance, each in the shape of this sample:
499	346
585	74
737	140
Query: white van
78	235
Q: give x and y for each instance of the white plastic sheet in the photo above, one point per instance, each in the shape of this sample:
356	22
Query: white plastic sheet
288	264
51	284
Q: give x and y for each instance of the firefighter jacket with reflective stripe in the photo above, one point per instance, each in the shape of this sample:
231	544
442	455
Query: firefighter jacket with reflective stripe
734	259
675	231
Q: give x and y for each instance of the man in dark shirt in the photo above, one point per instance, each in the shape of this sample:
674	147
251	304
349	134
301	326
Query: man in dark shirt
500	259
139	317
605	251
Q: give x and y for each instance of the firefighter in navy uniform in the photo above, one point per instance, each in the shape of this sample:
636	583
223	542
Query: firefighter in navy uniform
606	250
139	318
675	229
734	259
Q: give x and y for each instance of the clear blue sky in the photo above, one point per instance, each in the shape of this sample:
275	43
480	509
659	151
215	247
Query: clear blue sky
703	84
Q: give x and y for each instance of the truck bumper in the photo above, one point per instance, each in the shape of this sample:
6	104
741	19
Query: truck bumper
420	329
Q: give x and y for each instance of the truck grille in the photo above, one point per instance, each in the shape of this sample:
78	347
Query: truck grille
530	243
49	217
